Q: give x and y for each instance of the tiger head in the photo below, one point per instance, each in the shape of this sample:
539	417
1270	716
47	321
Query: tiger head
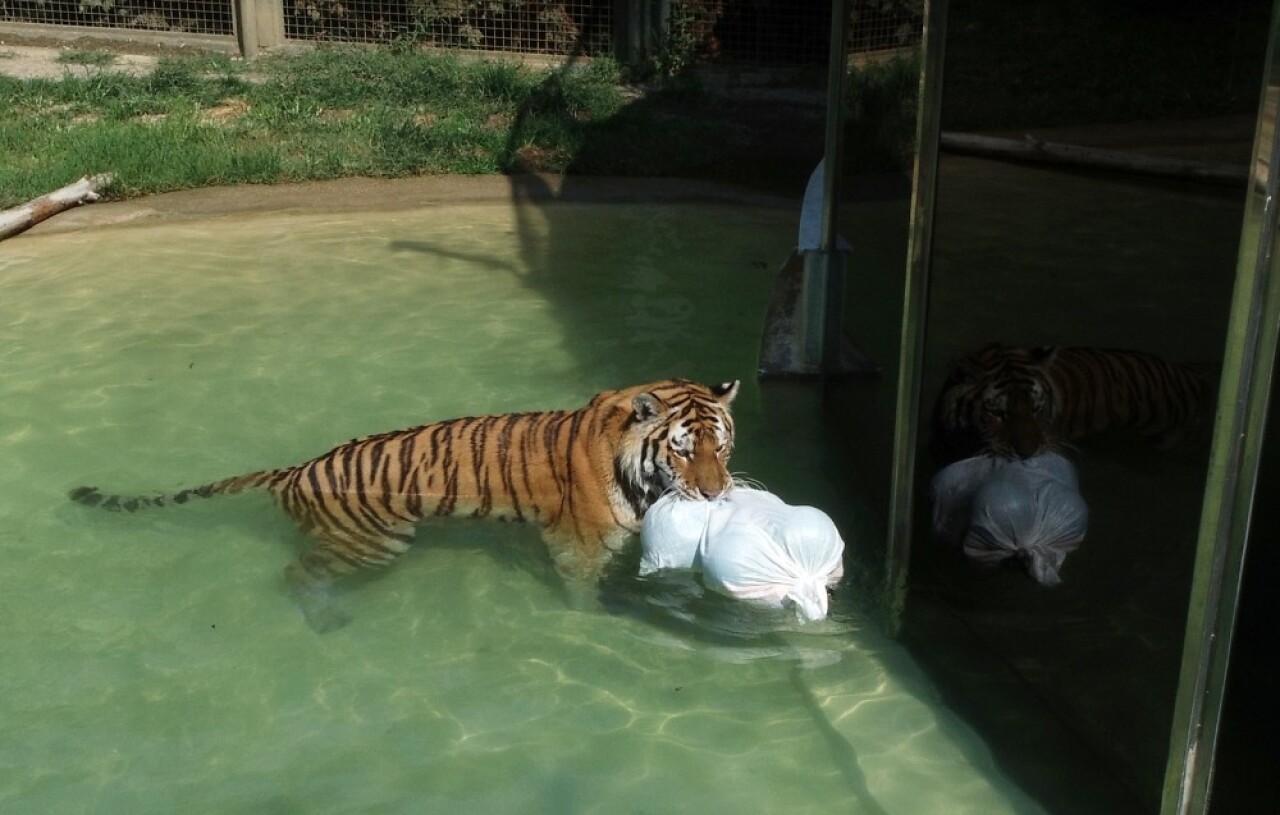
1016	422
677	438
998	400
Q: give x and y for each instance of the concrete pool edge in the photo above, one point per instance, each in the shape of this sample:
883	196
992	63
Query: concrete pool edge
390	194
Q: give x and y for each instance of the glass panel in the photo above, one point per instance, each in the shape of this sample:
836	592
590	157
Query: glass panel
1058	228
1248	749
1218	742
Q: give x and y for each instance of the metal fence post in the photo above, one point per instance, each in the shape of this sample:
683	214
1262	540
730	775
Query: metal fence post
639	29
915	309
259	26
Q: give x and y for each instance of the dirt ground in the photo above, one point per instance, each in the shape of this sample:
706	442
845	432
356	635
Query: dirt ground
33	62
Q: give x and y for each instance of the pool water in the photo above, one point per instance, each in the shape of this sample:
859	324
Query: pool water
154	662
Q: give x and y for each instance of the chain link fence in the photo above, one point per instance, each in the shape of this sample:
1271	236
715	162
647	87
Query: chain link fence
763	32
213	17
526	26
773	32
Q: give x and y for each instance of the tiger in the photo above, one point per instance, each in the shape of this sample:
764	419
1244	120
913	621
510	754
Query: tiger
1021	402
584	476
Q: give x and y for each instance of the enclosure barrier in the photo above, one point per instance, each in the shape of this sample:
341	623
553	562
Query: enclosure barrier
675	32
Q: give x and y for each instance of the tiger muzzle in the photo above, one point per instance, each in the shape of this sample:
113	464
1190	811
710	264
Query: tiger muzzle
1025	435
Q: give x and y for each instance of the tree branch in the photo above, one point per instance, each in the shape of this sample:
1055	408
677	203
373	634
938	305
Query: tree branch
21	218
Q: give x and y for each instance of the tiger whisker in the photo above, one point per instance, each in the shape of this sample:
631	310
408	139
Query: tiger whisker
744	480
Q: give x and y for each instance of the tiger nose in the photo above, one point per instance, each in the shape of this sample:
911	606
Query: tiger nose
709	493
1027	442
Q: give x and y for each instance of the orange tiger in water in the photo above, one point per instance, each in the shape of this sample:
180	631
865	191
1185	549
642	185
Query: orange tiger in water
1020	402
585	476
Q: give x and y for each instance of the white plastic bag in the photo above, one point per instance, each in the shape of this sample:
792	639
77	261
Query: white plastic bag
952	492
997	509
749	545
786	557
674	530
671	534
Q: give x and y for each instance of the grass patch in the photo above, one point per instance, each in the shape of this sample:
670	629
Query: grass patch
323	114
93	59
350	111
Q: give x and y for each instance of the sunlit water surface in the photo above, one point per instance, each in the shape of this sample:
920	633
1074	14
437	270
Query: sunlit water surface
154	663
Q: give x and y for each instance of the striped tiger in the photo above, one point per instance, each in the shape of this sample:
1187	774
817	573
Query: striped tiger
585	476
1020	402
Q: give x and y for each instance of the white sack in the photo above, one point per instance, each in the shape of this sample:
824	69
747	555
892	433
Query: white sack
674	529
749	545
952	492
777	558
998	509
672	533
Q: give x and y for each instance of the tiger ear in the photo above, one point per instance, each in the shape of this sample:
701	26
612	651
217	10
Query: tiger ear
1044	355
725	391
646	406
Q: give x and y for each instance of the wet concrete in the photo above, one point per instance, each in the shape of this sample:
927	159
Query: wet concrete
383	194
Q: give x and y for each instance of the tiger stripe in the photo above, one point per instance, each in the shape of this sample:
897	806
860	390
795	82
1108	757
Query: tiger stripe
1019	402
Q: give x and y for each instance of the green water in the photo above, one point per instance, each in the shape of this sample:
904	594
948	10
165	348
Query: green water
154	663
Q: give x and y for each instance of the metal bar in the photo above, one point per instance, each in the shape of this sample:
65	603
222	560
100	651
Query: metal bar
914	312
831	277
658	22
245	15
1230	489
833	153
626	31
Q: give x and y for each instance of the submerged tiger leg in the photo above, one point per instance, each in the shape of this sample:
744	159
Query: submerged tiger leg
312	576
580	558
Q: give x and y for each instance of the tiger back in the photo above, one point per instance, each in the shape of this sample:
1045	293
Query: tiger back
1020	402
585	477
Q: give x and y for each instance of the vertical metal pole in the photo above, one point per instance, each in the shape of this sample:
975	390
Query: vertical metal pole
259	25
914	312
270	24
837	67
659	18
627	31
246	21
828	295
1231	485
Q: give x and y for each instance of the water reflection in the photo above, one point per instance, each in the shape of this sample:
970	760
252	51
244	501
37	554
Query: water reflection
1033	256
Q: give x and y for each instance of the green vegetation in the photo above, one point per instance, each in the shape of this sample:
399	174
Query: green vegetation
93	58
880	115
334	112
206	120
201	120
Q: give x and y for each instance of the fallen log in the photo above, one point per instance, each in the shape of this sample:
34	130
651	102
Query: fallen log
1030	148
21	218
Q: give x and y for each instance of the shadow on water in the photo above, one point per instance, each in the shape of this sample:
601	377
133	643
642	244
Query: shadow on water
633	297
660	322
842	752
